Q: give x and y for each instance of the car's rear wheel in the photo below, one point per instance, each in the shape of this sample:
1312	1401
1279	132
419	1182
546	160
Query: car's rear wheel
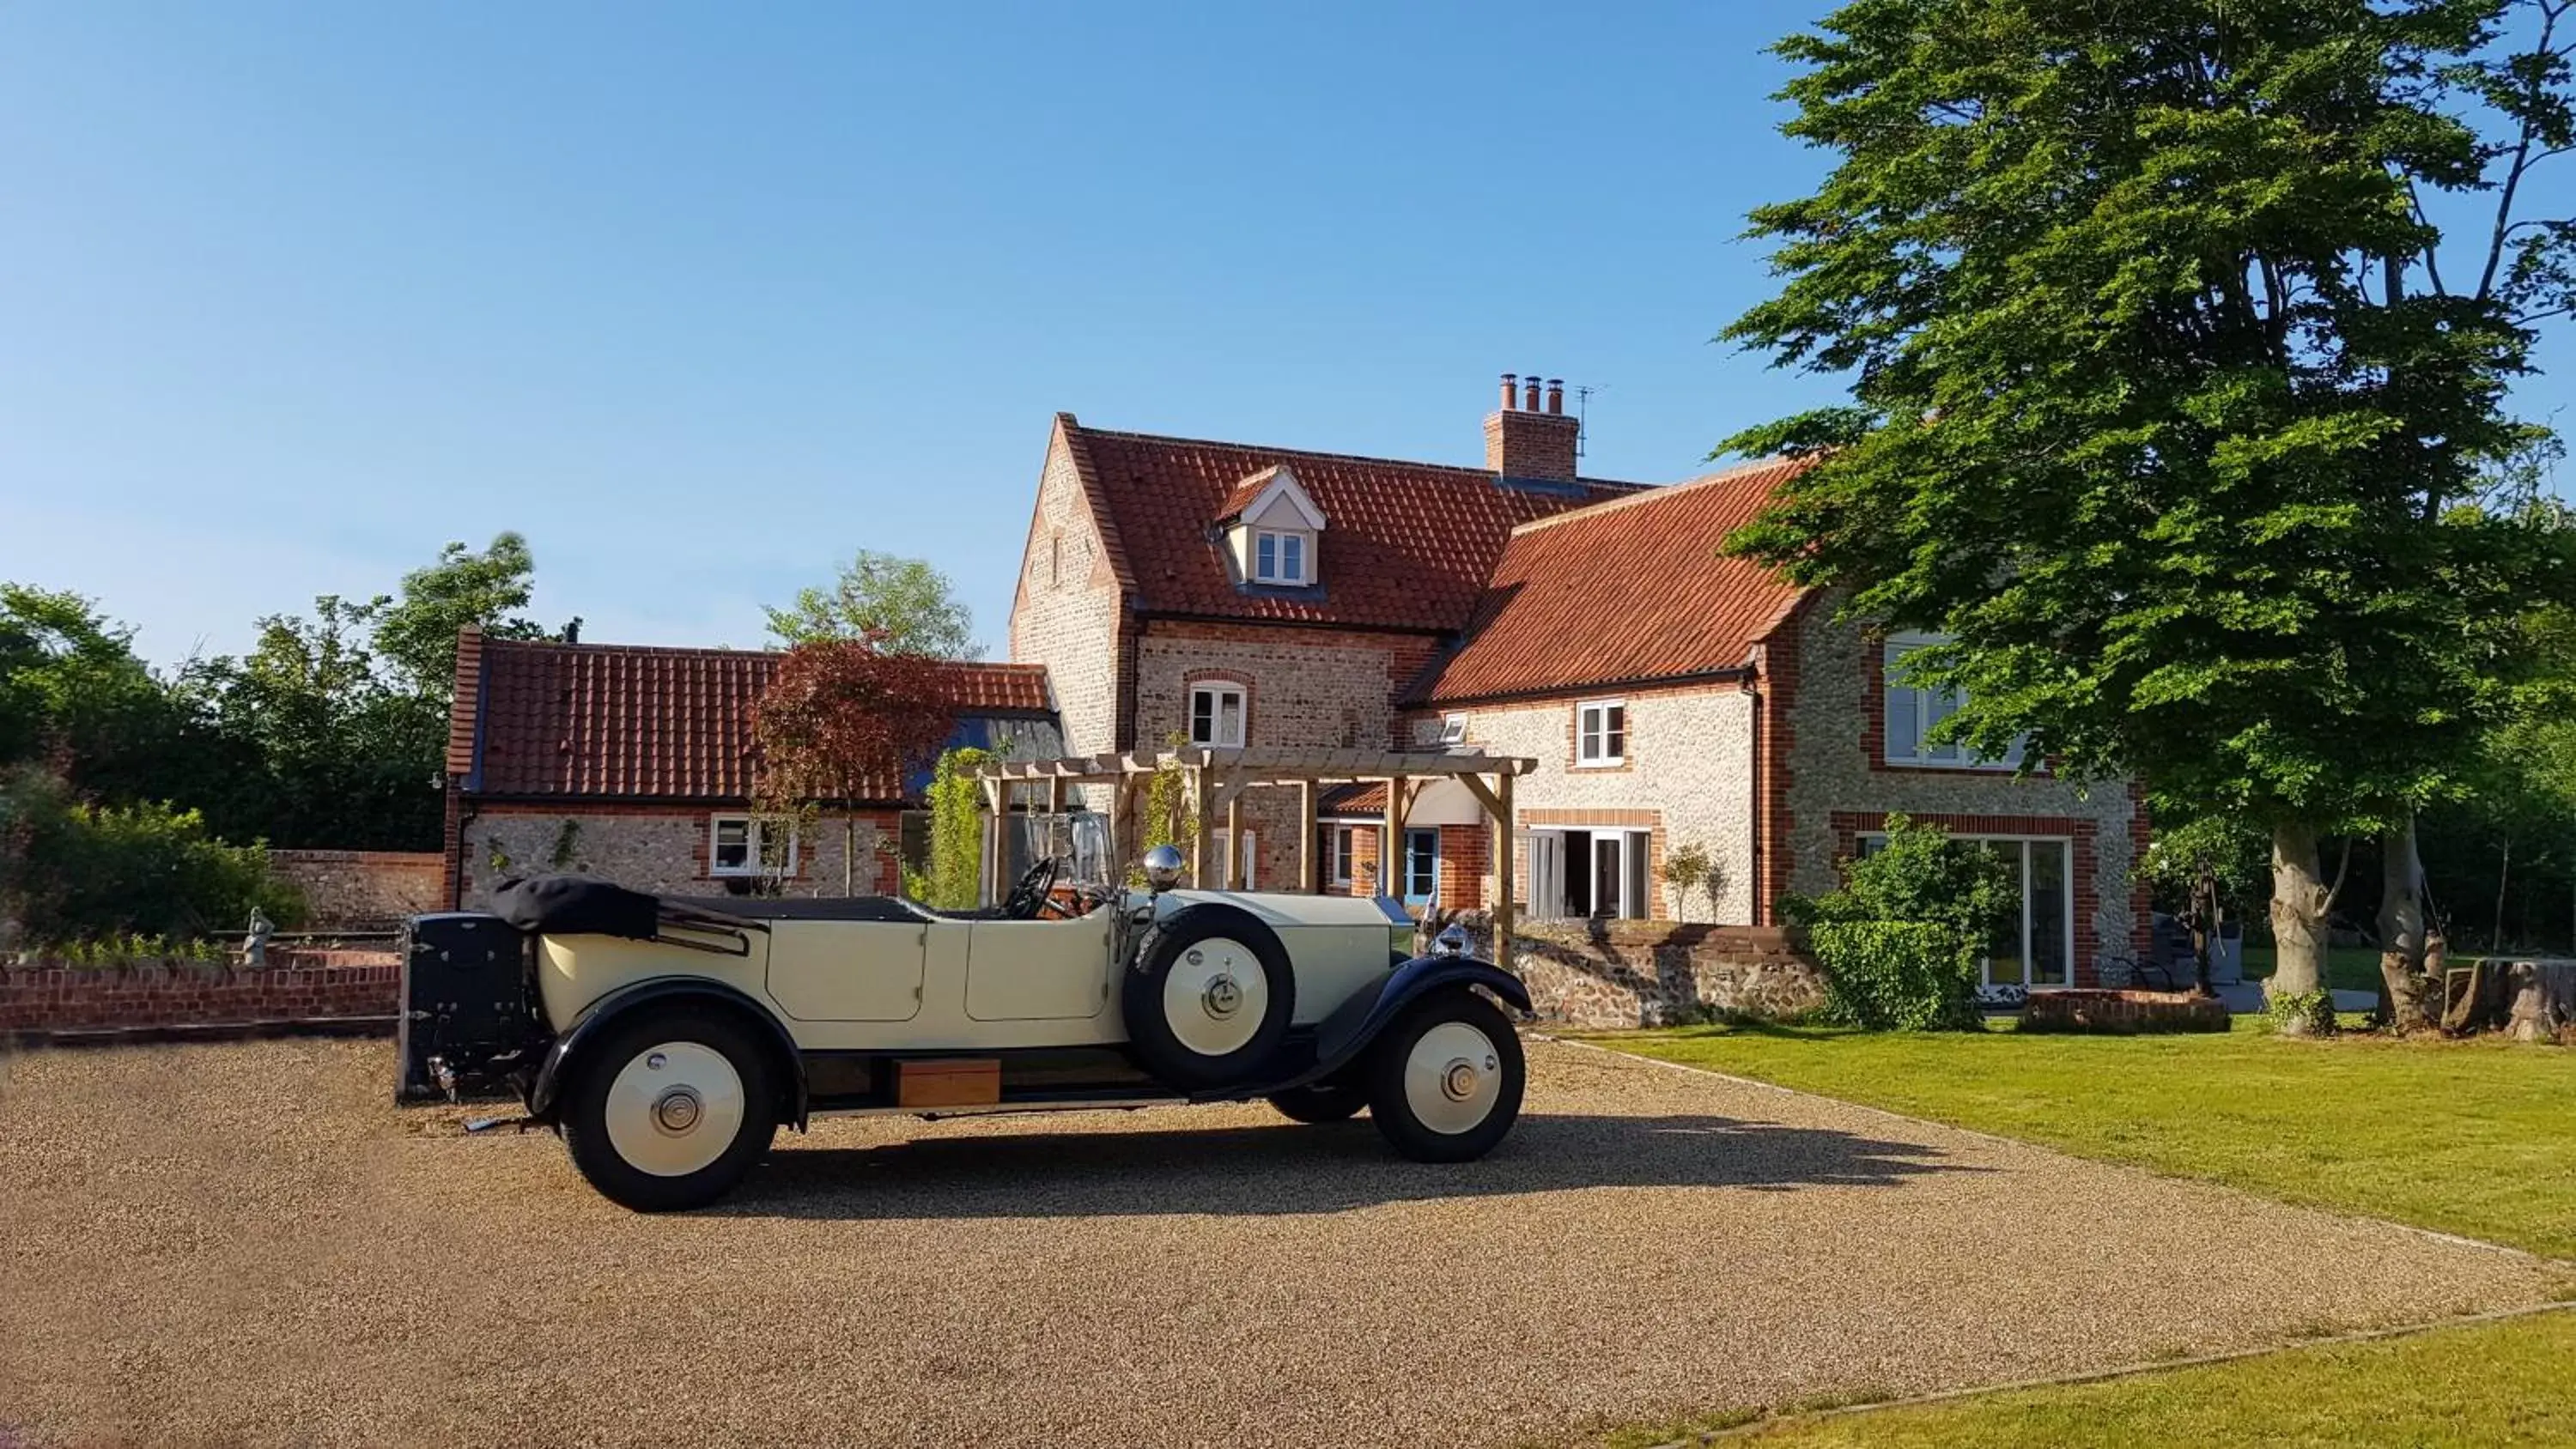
1445	1080
1322	1102
671	1111
1209	997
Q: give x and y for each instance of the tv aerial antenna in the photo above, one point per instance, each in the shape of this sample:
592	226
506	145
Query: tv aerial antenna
1583	392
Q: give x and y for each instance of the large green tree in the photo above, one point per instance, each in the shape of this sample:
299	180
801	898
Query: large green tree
900	605
415	631
2166	403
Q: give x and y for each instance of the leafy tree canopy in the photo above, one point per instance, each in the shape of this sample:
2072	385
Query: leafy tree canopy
903	604
2167	404
416	633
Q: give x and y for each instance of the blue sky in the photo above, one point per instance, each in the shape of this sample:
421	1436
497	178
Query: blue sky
701	299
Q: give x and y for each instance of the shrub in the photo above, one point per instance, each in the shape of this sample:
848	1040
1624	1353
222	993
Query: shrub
1897	975
1901	939
70	871
954	881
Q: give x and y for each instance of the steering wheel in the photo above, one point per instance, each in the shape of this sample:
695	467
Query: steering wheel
1031	896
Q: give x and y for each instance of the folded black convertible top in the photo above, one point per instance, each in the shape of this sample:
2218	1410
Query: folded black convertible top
576	905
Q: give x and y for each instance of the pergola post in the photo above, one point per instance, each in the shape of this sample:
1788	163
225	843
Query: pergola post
1309	878
1233	838
1504	906
1204	810
1390	855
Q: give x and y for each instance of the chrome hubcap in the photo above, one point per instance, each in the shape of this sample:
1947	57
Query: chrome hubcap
674	1109
1215	996
1453	1078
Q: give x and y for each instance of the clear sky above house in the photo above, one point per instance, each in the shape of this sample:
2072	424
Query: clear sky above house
701	300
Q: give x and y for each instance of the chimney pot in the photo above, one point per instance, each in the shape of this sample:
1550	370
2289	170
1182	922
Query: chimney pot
1529	398
1511	393
1556	394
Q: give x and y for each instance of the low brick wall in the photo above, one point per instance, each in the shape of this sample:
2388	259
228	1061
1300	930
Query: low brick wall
2121	1013
45	997
361	889
1657	973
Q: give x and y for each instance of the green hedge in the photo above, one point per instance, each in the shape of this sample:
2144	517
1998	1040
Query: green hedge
1897	975
76	872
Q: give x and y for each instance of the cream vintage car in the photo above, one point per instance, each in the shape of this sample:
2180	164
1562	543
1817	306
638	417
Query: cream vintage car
667	1040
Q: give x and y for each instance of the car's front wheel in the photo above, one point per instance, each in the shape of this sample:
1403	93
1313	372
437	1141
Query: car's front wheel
1322	1102
672	1111
1445	1080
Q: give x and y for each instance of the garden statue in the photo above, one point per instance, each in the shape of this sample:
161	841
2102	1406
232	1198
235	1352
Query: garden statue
255	944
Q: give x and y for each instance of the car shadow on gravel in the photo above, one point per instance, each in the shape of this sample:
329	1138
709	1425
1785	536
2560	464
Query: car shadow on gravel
1292	1169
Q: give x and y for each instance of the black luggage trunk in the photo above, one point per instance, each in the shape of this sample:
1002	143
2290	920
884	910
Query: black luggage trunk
470	1020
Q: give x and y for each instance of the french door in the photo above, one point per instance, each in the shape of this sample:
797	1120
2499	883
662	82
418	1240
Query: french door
1578	873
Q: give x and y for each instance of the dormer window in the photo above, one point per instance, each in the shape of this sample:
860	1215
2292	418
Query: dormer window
1279	557
1271	529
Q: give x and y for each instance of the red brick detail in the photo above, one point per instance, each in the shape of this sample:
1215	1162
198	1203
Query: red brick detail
1775	746
1850	825
48	997
1466	858
2119	1013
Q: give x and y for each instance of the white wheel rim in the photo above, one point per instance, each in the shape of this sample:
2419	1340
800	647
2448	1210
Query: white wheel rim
1453	1076
675	1108
1215	996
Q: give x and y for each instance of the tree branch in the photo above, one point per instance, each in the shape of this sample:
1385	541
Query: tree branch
2522	157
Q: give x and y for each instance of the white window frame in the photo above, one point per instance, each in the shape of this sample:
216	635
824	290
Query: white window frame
1591	750
1277	571
1220	842
2066	906
1636	851
1404	864
1453	730
1218	690
1922	709
755	836
1342	853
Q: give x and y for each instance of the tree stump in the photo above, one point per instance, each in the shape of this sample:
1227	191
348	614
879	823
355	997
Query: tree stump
2526	1000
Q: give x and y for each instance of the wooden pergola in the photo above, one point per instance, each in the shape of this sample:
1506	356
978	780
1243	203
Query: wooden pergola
1216	778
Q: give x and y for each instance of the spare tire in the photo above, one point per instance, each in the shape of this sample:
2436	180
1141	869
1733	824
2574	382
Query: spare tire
1208	997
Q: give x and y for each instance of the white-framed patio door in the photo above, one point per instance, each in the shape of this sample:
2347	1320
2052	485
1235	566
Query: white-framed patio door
2037	950
1577	873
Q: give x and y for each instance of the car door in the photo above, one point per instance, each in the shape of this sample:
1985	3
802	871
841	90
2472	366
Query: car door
1038	970
847	970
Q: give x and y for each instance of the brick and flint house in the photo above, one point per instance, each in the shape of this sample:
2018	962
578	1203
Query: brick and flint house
1222	593
639	764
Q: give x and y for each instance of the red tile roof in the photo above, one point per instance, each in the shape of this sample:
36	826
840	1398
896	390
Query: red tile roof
1623	593
1406	545
617	721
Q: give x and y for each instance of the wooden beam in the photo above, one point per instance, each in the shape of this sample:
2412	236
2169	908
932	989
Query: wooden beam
1390	854
1309	873
1484	793
1200	841
1233	838
1504	904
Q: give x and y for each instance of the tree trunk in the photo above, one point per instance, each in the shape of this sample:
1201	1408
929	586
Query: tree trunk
2504	872
2299	901
2205	920
2405	992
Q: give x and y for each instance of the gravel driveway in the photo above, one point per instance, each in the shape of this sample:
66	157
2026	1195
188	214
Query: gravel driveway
248	1244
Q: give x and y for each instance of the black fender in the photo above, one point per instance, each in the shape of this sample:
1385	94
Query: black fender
1341	1036
660	991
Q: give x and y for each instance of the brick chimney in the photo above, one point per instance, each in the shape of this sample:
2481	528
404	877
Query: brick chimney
1523	441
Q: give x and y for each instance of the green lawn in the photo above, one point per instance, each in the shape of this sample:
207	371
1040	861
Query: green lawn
2489	1384
2476	1138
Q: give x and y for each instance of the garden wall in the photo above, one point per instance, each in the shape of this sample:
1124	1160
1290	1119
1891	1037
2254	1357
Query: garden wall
1655	973
42	997
363	889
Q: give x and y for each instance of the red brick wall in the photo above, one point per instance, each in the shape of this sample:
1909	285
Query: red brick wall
1774	749
51	998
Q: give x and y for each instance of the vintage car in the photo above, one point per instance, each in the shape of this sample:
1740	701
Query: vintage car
666	1040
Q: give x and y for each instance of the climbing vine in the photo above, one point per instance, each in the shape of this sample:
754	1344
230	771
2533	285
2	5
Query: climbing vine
956	834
